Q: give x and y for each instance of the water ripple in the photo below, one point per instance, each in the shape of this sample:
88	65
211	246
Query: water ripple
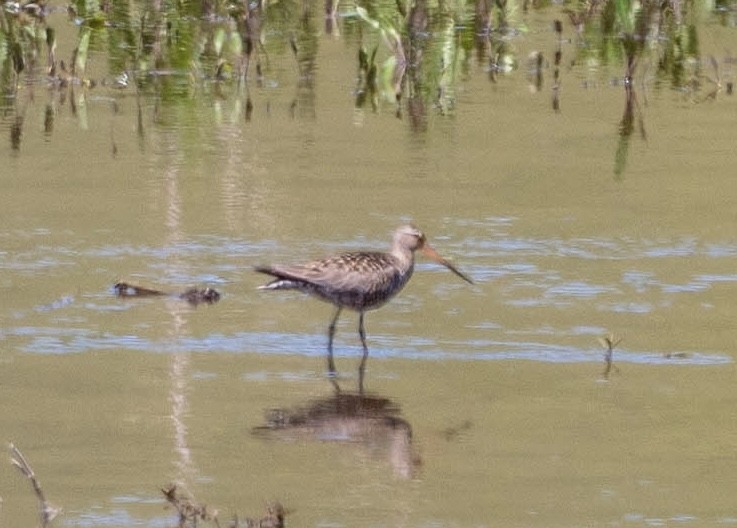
596	247
52	341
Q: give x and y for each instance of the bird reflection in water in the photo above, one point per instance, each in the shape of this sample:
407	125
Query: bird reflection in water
368	421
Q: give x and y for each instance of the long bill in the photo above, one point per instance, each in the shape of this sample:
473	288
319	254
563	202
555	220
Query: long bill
430	253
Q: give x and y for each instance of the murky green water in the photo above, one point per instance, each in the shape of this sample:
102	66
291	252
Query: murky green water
489	403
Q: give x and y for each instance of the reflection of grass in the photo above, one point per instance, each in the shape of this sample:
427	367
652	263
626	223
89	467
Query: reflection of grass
201	37
367	82
417	54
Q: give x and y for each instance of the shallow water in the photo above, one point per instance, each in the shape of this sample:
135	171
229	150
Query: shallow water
500	384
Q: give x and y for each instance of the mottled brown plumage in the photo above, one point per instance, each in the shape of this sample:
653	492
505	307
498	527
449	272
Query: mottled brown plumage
360	281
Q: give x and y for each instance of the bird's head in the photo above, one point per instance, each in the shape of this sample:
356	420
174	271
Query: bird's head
411	238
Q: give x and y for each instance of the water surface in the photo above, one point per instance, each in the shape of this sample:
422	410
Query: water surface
570	229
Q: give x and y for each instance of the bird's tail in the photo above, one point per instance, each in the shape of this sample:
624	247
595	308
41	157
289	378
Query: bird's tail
279	283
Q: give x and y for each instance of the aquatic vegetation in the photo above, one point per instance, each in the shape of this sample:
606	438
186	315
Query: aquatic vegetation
190	512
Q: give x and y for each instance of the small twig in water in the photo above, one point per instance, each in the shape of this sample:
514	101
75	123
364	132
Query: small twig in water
47	512
609	343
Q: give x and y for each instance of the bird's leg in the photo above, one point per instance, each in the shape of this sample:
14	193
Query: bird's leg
362	366
331	334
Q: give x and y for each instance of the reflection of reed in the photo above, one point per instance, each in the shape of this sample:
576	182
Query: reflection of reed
633	51
331	23
304	44
482	26
558	25
250	21
179	361
417	21
178	369
371	422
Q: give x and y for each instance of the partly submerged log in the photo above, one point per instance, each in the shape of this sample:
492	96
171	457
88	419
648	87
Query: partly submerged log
192	295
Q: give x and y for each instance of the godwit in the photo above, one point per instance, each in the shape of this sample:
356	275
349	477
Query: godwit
359	281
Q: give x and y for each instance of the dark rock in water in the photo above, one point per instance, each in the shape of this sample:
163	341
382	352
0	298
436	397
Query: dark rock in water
193	295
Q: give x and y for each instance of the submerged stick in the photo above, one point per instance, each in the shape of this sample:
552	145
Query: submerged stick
47	512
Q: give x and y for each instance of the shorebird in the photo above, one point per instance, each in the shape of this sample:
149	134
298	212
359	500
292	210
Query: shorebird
359	281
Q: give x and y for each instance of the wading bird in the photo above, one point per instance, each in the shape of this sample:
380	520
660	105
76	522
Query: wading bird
360	281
